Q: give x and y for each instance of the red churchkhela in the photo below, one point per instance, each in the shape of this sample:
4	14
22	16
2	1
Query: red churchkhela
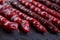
55	1
43	7
14	17
7	25
48	24
44	14
33	21
50	4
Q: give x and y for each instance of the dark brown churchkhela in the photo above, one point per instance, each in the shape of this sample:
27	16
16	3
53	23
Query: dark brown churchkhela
50	4
48	24
44	14
8	13
56	1
33	21
7	25
43	7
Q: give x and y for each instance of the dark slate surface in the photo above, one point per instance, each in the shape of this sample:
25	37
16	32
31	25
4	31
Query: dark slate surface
32	35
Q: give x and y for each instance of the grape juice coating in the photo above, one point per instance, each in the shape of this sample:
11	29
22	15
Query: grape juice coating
14	17
33	21
34	15
44	14
21	14
50	5
7	25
